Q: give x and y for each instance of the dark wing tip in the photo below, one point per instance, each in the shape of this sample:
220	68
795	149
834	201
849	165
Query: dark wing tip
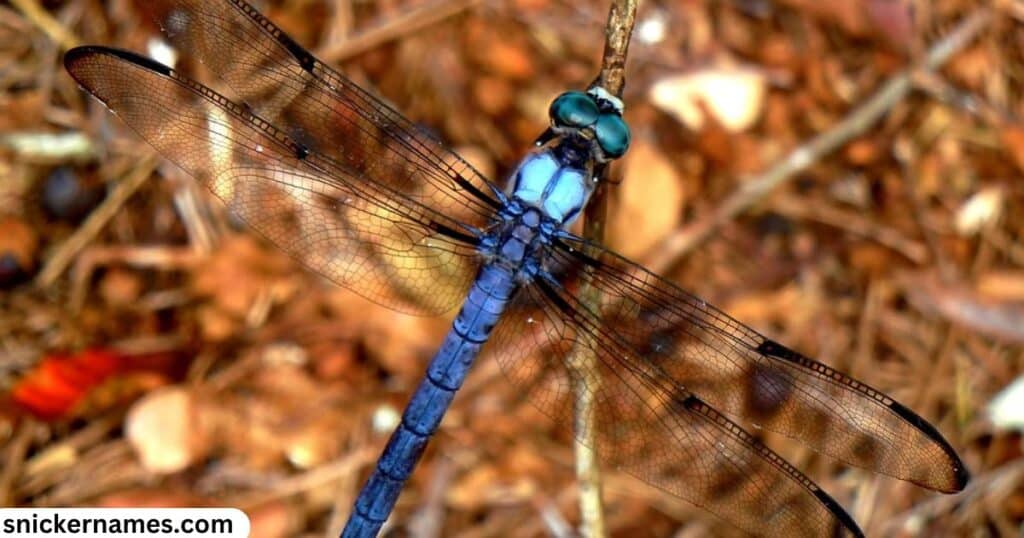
963	476
72	56
848	524
75	56
960	473
842	525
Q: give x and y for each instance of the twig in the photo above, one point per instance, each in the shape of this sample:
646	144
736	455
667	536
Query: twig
662	256
407	23
554	523
621	18
60	259
45	22
428	521
15	461
161	257
302	483
852	223
943	91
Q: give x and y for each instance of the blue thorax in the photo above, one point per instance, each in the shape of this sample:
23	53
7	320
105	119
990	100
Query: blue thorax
560	188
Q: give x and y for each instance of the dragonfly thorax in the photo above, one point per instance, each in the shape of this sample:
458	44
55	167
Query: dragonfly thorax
557	179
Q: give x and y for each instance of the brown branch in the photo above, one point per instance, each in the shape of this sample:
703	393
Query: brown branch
38	15
621	18
405	24
14	460
665	254
99	218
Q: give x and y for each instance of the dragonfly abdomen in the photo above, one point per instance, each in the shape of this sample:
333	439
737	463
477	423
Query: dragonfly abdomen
487	299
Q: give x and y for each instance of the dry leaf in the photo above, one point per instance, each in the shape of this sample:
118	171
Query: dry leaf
1012	137
275	519
1002	285
735	96
982	209
120	287
162	428
894	19
465	494
1006	410
649	201
961	304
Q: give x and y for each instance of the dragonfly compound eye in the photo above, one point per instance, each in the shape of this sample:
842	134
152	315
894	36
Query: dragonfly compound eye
573	109
612	135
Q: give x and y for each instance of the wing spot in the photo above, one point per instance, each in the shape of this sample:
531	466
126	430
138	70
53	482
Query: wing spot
768	390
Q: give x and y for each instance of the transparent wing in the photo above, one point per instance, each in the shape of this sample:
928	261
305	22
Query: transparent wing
320	108
754	379
653	428
360	233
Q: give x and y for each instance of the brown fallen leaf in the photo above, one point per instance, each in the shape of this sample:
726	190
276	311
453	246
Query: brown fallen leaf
733	95
162	428
961	304
649	201
1001	285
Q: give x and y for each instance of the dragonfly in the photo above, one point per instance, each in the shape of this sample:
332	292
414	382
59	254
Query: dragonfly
356	192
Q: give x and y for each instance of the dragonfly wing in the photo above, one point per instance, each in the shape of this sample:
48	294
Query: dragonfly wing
326	215
319	107
651	427
752	378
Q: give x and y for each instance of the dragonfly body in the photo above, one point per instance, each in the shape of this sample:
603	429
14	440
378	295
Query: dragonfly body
549	190
376	205
480	313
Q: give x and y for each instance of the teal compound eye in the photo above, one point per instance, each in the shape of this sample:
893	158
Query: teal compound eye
574	109
612	135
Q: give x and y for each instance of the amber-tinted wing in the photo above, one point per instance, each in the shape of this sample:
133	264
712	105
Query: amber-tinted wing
650	426
756	380
321	109
364	234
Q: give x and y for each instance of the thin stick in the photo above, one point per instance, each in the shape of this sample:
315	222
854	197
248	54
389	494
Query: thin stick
405	24
64	254
303	483
621	17
45	22
14	463
665	254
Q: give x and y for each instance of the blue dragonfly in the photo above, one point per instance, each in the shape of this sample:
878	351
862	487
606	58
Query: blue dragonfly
353	190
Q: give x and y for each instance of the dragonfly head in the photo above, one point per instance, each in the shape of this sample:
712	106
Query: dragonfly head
558	177
594	116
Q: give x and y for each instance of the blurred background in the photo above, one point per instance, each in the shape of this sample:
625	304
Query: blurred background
153	353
